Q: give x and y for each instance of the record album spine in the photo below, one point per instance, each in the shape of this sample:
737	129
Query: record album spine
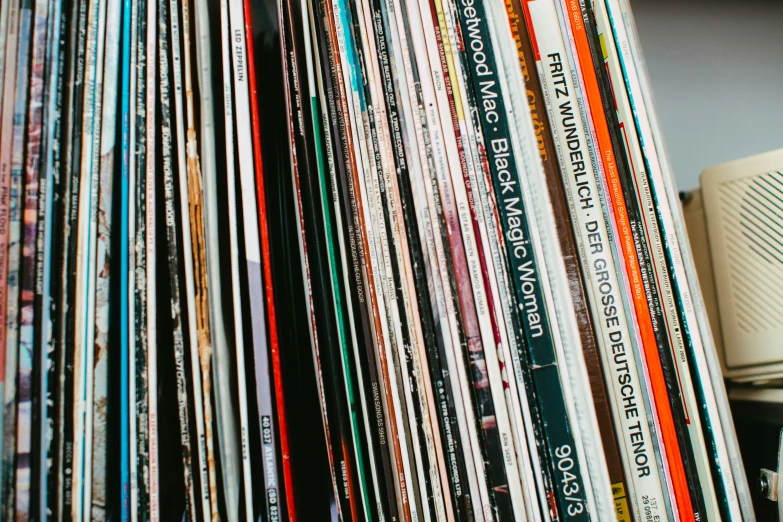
125	260
7	369
269	294
676	292
604	291
362	299
665	382
202	360
173	262
27	281
105	272
39	300
197	337
125	298
430	359
42	263
548	155
236	293
149	247
137	334
541	356
225	410
92	150
140	397
65	277
49	251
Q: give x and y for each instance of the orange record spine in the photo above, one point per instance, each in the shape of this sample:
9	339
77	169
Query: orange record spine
649	343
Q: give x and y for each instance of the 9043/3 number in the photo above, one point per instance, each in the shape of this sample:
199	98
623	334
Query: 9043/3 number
569	481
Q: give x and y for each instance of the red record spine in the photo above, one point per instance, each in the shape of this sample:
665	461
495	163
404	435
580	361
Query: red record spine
267	267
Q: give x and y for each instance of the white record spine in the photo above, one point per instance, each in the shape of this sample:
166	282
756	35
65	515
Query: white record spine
85	260
656	247
239	341
94	177
593	241
52	140
224	411
568	346
718	415
152	293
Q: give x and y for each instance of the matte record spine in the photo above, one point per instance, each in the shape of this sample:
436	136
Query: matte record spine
172	262
604	291
657	285
675	296
663	381
565	232
540	358
25	456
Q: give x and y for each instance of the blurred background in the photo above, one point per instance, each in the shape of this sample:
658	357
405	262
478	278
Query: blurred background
716	68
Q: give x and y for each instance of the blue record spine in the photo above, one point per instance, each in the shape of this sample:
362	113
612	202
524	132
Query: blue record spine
124	267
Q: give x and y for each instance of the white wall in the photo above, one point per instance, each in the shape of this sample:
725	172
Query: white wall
716	69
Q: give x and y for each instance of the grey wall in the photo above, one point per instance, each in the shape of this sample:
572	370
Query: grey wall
716	69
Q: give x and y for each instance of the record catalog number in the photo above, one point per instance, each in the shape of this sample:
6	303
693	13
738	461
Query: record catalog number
650	506
274	510
266	429
569	485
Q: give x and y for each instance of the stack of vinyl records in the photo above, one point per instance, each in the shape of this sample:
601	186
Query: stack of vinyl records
357	260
